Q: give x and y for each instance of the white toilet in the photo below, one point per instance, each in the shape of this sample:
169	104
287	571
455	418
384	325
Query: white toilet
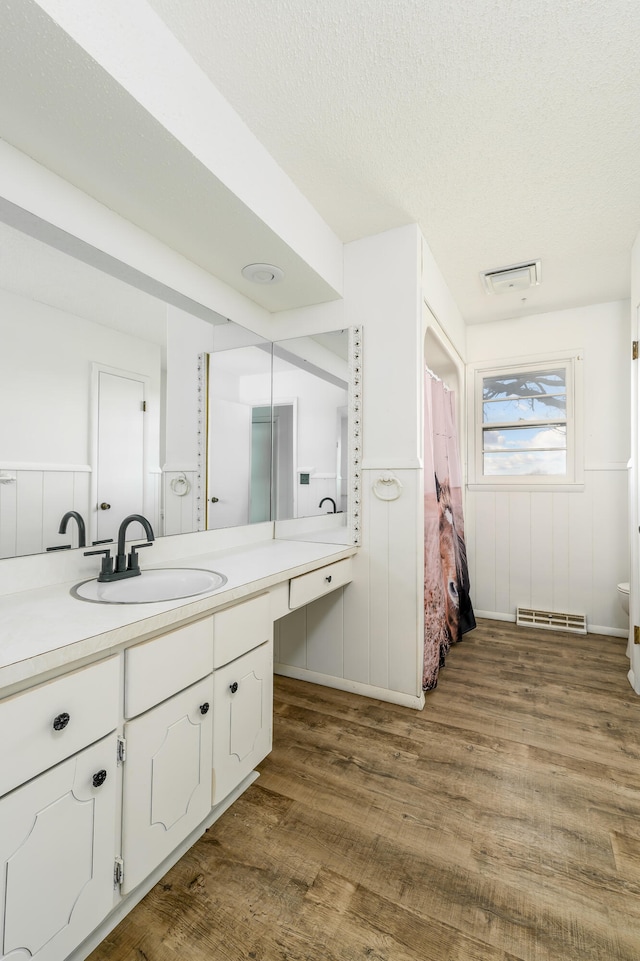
623	595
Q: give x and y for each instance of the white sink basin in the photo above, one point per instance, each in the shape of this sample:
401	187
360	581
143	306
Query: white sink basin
165	584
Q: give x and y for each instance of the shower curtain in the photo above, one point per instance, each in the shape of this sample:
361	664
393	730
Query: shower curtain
448	613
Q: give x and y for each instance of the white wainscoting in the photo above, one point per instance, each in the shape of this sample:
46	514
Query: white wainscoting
32	503
368	636
179	509
33	500
552	551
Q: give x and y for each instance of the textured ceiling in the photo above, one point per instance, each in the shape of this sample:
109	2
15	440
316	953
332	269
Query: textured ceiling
507	130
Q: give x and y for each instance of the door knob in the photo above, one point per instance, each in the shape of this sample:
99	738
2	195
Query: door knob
99	778
105	507
233	687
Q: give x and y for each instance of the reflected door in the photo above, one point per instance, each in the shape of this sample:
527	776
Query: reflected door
120	451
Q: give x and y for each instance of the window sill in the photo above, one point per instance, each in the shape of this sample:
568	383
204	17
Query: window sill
552	488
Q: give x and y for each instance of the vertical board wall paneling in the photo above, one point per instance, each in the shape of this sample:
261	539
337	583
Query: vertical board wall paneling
502	568
581	550
179	510
560	551
292	633
378	524
29	514
483	534
8	518
406	598
541	578
57	499
331	636
325	635
356	605
518	544
609	523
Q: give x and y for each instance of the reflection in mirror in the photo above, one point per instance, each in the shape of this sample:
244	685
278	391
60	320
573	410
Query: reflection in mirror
239	428
310	403
99	401
317	403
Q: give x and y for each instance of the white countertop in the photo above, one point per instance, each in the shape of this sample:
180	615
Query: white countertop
45	629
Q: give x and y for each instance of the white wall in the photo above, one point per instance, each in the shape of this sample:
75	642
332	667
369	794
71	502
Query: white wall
560	551
370	638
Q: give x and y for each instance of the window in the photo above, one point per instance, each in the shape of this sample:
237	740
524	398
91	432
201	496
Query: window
525	425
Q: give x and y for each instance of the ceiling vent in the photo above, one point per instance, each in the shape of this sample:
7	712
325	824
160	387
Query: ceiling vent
514	278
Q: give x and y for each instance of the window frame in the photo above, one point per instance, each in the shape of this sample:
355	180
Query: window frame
573	479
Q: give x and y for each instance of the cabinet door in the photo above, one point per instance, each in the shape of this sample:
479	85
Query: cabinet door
57	850
242	721
167	779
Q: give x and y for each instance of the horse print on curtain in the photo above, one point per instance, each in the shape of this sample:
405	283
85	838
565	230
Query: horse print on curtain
448	613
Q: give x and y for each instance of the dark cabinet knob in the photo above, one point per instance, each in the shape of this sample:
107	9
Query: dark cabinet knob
328	578
105	507
61	721
204	708
214	500
233	687
99	778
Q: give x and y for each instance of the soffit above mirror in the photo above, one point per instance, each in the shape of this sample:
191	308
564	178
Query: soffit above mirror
65	110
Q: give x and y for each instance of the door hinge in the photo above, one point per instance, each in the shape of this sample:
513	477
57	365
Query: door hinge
122	749
636	634
118	871
144	406
634	350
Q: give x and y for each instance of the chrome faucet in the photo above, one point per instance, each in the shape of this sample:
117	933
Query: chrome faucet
332	501
125	566
82	534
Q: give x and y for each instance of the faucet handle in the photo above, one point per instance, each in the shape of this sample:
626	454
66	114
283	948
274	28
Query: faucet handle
106	566
134	563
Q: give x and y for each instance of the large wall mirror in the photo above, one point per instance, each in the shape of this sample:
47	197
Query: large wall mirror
115	401
281	422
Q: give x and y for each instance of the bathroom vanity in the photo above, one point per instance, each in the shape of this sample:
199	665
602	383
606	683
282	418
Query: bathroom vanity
132	728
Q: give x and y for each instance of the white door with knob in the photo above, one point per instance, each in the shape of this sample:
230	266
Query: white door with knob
119	450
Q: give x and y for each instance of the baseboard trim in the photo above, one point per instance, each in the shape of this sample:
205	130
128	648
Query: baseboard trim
495	616
609	631
591	628
354	687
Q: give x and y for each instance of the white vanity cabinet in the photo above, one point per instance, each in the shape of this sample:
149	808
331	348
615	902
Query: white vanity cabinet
168	746
110	771
58	828
242	692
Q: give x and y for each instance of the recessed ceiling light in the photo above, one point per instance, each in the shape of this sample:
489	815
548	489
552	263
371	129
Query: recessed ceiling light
263	273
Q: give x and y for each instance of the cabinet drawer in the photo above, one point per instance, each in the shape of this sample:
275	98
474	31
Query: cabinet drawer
307	587
241	628
156	669
83	706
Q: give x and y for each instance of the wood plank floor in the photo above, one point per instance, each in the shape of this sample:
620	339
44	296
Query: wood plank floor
501	823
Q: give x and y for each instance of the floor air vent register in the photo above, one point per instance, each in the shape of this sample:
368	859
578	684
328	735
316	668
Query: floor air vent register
551	620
